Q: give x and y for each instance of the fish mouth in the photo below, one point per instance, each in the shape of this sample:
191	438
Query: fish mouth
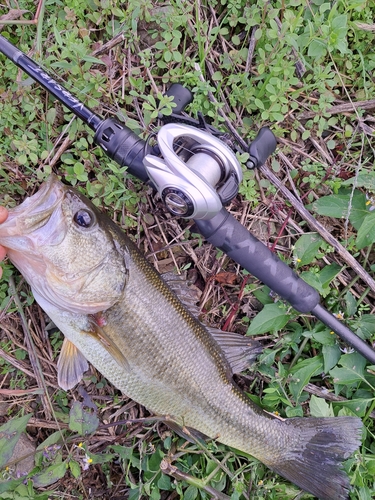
19	231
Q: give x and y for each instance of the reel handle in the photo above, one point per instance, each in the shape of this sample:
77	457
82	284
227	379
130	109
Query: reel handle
261	148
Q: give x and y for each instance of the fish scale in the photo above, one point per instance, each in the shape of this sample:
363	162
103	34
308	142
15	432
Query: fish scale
113	306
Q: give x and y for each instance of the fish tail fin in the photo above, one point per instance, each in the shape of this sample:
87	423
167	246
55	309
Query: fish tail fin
316	462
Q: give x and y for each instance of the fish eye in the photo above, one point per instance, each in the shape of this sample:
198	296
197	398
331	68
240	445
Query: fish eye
83	218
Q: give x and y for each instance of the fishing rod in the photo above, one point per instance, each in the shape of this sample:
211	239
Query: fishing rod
196	182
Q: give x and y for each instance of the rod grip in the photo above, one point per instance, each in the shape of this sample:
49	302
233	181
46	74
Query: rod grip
227	234
124	146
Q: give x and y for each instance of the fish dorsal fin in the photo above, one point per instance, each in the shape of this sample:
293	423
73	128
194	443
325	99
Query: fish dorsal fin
187	293
239	351
71	366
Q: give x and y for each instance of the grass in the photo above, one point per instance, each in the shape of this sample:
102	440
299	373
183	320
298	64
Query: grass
306	69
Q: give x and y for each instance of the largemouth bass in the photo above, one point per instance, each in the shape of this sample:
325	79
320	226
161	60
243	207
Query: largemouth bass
116	312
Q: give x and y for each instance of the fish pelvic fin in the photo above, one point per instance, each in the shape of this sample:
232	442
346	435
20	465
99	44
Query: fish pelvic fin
71	366
316	465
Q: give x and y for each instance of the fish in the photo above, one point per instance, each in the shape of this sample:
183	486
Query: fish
117	313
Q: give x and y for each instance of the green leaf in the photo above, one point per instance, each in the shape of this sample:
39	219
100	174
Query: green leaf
167	56
57	35
322	280
22	159
357	406
317	48
344	376
134	494
75	468
351	304
354	362
331	356
50	475
164	483
334	205
191	493
51	116
364	179
217	76
79	168
263	295
302	374
270	319
337	205
339	22
352	371
10	485
9	435
117	12
82	421
366	233
365	326
306	248
313	280
258	103
127	454
93	60
320	408
324	337
154	460
296	411
177	56
328	273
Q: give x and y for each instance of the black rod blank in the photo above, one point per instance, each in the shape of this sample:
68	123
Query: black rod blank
39	75
117	140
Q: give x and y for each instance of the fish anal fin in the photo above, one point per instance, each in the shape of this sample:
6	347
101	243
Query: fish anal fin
240	351
71	366
187	433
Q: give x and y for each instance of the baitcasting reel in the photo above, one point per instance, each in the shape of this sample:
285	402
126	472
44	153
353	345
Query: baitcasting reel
195	172
195	181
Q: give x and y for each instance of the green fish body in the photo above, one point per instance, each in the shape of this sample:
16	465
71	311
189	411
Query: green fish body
116	311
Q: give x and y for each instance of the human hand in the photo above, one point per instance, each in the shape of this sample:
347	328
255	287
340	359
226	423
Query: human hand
3	217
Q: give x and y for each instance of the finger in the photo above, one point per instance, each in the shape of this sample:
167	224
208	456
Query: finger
2	255
3	214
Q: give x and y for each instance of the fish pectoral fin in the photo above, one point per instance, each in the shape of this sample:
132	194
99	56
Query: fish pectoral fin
101	336
240	351
71	366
